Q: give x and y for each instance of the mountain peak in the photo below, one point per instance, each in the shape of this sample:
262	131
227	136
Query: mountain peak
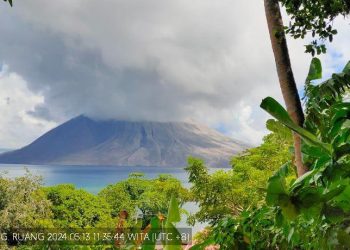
86	141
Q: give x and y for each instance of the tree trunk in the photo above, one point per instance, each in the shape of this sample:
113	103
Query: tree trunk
285	74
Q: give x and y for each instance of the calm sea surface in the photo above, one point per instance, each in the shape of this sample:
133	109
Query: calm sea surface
94	178
91	178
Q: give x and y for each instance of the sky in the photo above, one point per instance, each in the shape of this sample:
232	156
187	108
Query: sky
162	60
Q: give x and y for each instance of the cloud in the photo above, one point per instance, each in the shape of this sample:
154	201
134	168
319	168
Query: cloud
146	60
246	130
17	127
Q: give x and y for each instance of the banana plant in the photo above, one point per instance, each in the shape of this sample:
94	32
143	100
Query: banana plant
326	148
312	211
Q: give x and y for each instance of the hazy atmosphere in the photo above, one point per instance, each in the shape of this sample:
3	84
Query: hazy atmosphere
202	60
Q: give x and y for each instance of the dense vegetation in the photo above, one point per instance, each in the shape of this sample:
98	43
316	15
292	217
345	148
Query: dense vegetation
23	203
26	204
150	197
316	205
229	191
77	208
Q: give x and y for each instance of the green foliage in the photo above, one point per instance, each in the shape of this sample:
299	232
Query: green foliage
315	17
314	206
321	195
210	191
150	196
160	224
277	111
320	97
26	204
227	192
252	169
23	204
76	208
172	218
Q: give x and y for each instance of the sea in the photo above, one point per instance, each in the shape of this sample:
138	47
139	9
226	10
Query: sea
90	178
95	178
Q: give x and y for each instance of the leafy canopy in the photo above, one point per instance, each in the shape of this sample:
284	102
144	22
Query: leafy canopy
77	208
315	17
227	192
23	204
148	196
316	205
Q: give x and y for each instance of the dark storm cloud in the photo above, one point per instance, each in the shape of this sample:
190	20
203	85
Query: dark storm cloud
159	60
75	81
205	60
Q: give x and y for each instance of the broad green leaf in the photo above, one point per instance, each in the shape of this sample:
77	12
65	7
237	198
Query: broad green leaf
312	151
347	68
342	200
333	193
175	235
174	211
343	150
149	243
298	183
289	210
309	196
277	111
341	111
312	212
333	214
170	229
291	232
276	187
315	70
279	218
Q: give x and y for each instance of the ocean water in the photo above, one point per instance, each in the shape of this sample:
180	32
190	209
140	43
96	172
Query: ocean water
91	178
94	178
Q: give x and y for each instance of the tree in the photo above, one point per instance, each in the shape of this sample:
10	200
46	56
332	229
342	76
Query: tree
315	17
313	211
149	196
306	16
227	192
285	75
23	205
76	208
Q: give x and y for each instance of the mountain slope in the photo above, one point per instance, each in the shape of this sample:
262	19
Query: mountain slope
84	141
2	150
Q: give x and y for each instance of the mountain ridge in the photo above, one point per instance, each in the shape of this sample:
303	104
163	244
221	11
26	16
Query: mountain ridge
85	141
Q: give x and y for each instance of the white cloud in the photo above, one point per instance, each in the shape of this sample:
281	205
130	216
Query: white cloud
246	126
17	128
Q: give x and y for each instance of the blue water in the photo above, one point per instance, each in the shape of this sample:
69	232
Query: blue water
91	178
95	178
